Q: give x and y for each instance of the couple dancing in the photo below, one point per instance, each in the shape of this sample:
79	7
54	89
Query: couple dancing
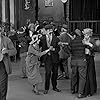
83	80
49	52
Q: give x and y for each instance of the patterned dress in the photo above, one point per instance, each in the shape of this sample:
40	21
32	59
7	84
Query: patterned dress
32	65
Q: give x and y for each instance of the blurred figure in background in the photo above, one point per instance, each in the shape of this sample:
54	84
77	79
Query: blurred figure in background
65	38
23	44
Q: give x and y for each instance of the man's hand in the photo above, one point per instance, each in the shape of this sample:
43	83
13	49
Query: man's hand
51	48
61	44
4	51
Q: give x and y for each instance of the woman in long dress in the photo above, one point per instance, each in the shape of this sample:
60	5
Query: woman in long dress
33	63
91	83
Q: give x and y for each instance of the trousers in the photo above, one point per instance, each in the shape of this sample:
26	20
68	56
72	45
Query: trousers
78	76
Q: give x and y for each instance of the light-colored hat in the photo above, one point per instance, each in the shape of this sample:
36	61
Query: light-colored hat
34	39
87	31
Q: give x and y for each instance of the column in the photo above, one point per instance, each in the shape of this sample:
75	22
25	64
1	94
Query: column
3	11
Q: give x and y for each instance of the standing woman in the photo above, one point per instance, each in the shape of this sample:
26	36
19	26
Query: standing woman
90	46
7	49
33	63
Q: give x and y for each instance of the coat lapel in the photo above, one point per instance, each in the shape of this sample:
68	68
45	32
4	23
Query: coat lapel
52	39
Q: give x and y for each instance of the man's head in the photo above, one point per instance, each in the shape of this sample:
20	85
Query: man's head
43	31
78	32
64	28
49	29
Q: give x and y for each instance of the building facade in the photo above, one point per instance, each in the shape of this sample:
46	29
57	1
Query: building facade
78	13
18	11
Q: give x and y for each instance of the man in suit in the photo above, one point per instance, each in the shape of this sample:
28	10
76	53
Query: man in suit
51	59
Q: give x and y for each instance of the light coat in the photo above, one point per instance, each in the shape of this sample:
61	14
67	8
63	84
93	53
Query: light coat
11	52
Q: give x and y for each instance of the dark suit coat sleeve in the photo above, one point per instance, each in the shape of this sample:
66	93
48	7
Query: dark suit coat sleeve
54	43
57	48
43	43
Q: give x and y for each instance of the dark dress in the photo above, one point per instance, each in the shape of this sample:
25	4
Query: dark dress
91	83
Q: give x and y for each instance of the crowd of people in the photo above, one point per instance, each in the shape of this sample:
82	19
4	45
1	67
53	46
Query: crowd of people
50	46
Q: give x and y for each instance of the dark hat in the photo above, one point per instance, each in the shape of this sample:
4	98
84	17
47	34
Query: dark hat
52	23
65	26
39	27
48	27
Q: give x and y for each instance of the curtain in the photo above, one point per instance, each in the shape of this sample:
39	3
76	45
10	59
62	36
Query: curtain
84	9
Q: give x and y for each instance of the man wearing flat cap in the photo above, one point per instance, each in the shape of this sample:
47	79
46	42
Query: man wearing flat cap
51	59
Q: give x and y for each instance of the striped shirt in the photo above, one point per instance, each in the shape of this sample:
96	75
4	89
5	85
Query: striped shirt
77	48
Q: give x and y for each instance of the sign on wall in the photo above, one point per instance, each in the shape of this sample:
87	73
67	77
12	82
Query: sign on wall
27	4
48	3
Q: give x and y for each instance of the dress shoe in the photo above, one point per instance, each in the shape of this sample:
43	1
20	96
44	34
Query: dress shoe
46	92
57	90
36	92
24	77
73	92
66	77
80	96
89	95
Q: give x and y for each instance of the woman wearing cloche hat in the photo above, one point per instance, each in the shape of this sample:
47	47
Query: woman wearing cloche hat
33	63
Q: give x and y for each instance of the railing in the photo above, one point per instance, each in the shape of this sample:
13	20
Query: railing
95	25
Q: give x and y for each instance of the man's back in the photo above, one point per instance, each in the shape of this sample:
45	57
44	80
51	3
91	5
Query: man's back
77	48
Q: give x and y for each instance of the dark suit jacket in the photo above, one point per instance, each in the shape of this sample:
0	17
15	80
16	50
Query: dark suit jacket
54	54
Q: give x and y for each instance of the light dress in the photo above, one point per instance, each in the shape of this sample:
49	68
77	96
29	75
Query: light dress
32	65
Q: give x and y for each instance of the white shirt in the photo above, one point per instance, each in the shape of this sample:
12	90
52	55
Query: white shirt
49	39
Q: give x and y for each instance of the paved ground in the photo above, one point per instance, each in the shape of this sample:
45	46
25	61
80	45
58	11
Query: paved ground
20	89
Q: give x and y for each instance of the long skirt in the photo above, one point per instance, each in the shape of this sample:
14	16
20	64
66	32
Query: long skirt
3	81
33	74
91	83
